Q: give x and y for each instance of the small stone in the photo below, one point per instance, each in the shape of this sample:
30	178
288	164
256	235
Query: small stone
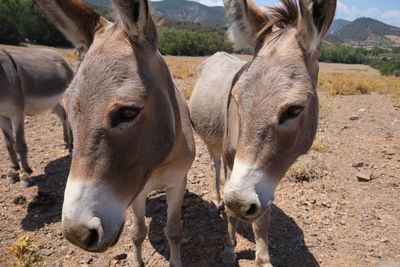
307	221
357	164
88	260
19	200
46	252
390	152
354	117
376	175
362	177
121	256
313	242
58	264
327	204
362	110
49	235
312	233
376	255
63	250
59	232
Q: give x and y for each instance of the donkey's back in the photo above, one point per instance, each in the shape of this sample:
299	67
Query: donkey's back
208	103
43	76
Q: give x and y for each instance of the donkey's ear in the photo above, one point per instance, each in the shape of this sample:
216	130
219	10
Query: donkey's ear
315	20
75	19
136	19
247	20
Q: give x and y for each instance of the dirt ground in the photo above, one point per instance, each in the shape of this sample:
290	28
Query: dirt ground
322	214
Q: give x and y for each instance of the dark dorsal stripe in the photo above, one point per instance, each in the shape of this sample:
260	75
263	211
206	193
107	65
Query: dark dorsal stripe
239	73
11	59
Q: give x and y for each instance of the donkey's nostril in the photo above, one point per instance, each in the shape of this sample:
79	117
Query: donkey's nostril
253	210
92	239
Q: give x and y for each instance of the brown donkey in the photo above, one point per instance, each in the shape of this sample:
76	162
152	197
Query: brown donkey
31	82
260	116
131	127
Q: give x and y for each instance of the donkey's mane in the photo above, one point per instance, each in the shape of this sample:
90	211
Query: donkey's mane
281	16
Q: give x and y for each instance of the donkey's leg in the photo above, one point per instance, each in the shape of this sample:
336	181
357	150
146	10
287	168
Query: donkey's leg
229	255
12	173
227	170
18	126
173	229
214	186
139	229
62	115
260	229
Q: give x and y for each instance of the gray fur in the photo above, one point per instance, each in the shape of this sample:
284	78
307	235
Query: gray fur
31	82
260	124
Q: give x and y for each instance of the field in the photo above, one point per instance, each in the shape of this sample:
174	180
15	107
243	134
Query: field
322	214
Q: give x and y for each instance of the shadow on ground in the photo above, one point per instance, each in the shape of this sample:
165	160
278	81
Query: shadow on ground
46	207
203	236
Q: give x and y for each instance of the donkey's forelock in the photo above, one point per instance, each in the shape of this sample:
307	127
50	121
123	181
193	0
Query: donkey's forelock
282	16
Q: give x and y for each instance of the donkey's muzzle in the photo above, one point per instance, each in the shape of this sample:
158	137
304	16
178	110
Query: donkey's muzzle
247	208
88	237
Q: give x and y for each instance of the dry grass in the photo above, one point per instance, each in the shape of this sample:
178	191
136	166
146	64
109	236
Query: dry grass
347	68
354	84
335	79
183	71
319	146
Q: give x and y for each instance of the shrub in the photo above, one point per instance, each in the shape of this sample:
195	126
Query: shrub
26	252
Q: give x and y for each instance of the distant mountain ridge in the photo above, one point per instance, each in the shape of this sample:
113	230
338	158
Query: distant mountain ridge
362	31
366	31
337	25
181	10
190	11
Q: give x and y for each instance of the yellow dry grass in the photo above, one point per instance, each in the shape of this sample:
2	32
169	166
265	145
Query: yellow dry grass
335	83
335	79
183	71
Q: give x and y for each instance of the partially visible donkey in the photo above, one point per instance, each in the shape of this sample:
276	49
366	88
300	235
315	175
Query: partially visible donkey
31	81
131	127
260	116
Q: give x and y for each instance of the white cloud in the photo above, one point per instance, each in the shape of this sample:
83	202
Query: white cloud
352	13
392	17
211	3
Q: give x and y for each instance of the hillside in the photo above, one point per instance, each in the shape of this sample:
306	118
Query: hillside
366	31
337	25
181	10
190	11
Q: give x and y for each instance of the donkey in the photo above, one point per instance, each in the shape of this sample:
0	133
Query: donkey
31	82
131	127
260	116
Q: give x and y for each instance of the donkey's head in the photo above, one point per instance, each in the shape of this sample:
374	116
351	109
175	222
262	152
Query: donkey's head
121	106
276	96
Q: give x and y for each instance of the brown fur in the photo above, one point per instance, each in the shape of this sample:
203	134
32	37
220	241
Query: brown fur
247	118
124	160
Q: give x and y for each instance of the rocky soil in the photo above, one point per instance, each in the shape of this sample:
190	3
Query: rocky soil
339	205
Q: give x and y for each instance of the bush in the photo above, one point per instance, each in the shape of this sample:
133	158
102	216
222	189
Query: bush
188	43
20	20
386	60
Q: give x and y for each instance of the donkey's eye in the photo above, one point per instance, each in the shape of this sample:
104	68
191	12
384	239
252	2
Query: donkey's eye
125	114
290	113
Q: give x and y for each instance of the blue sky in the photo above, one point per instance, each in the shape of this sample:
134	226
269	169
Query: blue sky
387	11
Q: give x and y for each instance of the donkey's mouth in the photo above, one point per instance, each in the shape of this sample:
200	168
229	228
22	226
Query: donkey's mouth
117	236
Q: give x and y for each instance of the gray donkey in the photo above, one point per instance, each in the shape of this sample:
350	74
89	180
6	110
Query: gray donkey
31	81
260	116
